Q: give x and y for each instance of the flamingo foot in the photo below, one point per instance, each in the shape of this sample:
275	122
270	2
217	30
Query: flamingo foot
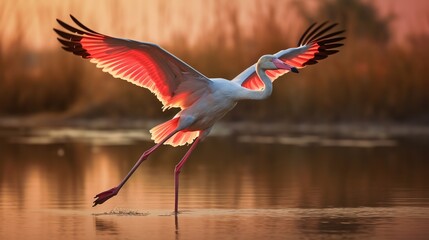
104	196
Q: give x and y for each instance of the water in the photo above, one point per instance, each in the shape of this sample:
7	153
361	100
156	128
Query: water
231	188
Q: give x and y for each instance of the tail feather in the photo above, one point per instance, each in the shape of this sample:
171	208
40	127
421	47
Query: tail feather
162	130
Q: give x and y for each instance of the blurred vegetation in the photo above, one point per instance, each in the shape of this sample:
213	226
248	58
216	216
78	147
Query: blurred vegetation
371	79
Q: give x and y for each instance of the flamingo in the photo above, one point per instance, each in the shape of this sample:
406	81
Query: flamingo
202	100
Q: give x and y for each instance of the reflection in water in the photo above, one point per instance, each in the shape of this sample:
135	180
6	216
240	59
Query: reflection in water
176	225
108	227
229	188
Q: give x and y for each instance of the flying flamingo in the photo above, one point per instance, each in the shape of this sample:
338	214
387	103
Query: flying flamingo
202	100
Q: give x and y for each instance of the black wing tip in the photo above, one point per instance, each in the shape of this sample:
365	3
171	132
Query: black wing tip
73	18
81	29
318	32
59	32
70	37
310	62
91	32
308	32
326	37
305	33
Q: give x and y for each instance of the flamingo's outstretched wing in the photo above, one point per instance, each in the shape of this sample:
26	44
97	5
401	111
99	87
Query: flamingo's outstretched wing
315	44
175	83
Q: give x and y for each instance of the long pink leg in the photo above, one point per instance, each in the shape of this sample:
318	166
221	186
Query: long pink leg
177	172
106	195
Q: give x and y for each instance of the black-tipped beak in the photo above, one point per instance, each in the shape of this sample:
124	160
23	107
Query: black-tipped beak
294	69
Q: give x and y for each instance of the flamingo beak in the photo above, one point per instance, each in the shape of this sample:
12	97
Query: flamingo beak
282	65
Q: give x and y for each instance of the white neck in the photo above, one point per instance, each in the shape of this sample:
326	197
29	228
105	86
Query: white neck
259	94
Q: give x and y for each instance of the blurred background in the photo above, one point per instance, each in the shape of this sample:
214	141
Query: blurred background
379	76
339	151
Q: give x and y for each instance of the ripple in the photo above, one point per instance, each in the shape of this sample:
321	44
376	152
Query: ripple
358	212
308	140
122	212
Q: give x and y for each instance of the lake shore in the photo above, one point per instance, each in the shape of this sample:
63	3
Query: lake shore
355	130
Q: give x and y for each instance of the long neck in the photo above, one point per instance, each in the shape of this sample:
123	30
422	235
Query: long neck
259	94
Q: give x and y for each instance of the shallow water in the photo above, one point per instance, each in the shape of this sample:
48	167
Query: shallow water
231	188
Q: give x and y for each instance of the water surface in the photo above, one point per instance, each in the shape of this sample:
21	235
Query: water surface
232	187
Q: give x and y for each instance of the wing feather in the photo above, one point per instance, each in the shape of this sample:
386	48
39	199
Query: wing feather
141	63
315	44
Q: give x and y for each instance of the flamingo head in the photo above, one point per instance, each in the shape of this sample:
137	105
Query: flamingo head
270	62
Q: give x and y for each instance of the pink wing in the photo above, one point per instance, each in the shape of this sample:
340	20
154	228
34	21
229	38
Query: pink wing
315	44
175	83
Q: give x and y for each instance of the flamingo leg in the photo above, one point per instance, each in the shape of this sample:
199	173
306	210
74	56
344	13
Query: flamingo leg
177	172
106	195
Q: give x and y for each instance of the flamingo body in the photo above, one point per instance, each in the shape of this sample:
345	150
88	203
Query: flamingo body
202	100
205	112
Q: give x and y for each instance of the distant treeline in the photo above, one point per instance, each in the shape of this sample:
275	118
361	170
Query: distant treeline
371	79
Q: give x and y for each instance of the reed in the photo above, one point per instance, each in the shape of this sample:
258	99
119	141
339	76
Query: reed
368	80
